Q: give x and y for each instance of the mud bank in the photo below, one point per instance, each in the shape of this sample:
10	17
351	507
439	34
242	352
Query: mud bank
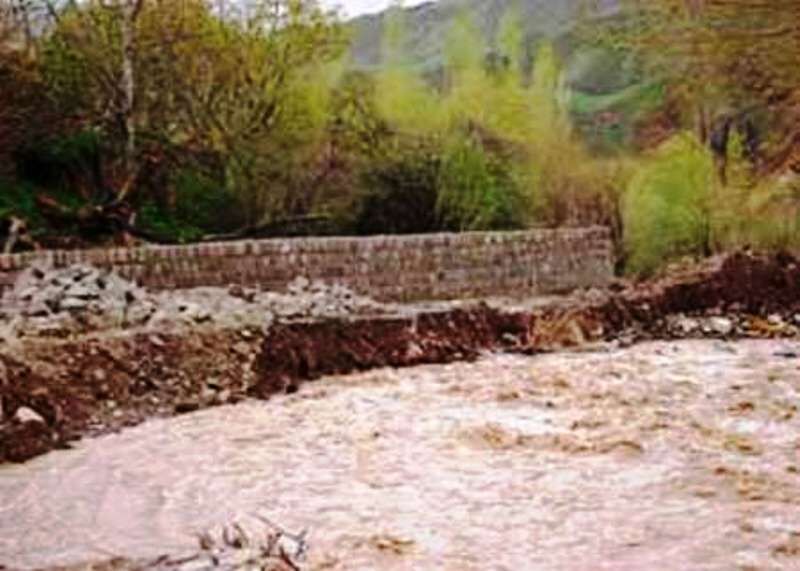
739	285
296	352
54	391
742	296
98	384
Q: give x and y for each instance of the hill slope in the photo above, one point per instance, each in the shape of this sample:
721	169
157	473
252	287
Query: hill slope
604	85
427	26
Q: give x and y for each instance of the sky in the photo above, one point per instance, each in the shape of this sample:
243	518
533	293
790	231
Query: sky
352	8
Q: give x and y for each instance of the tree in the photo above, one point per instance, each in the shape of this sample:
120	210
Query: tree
402	96
723	60
223	88
23	111
129	14
252	88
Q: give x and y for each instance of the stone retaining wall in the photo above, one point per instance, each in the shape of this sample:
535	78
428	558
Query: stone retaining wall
395	268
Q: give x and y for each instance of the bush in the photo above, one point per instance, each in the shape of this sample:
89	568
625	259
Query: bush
68	164
667	207
200	206
419	184
477	190
19	199
771	219
400	192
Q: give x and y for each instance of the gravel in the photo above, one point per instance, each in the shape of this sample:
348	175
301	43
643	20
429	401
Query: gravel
51	302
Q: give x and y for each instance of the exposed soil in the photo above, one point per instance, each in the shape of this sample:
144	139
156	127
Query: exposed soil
750	296
53	391
742	283
296	352
102	383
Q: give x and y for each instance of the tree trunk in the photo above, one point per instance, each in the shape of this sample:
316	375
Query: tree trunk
130	12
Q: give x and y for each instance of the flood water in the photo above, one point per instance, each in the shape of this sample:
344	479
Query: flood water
680	456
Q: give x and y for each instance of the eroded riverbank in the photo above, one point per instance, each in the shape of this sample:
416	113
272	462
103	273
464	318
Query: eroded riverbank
79	368
82	368
686	452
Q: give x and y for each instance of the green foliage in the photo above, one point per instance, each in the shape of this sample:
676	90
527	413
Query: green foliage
472	126
677	205
400	190
597	70
465	49
159	222
402	97
506	140
511	40
61	161
247	92
736	189
256	119
477	190
761	213
609	122
199	206
635	100
667	207
19	199
262	106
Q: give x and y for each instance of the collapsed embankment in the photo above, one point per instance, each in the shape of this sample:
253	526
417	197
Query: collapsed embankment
738	296
55	390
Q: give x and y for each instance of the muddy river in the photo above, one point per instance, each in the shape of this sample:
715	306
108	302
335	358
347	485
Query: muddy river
680	456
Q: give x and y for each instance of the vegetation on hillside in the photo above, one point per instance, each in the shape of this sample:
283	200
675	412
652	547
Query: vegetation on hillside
184	120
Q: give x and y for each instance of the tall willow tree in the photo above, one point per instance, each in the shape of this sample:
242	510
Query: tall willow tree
484	180
443	127
402	95
505	149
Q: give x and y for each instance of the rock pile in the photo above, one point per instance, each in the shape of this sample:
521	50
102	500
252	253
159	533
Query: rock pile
318	299
732	325
78	299
240	307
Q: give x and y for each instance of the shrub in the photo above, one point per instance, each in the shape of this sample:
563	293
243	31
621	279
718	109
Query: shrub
399	193
68	163
477	189
667	207
200	206
771	220
18	199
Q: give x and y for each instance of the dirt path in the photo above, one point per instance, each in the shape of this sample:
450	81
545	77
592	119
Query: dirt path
684	455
